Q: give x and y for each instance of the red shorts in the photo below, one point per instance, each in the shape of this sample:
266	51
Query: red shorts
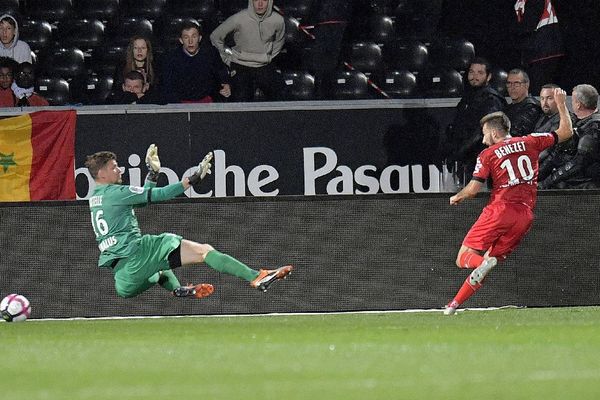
499	229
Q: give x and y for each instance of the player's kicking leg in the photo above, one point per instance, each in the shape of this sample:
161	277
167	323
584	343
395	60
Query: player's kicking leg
193	253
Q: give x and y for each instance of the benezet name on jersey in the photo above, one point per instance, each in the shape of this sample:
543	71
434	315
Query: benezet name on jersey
510	148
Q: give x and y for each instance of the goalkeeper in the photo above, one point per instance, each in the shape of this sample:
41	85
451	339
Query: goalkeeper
138	261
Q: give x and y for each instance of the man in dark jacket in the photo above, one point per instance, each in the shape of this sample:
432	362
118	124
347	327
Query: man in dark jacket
524	110
583	169
463	135
194	73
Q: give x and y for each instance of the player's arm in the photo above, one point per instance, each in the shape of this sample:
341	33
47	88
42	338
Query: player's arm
471	190
565	127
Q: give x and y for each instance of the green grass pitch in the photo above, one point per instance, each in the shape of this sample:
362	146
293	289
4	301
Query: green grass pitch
551	353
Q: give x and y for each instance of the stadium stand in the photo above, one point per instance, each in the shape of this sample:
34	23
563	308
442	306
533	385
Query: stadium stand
52	11
102	10
36	33
348	85
399	84
126	27
53	89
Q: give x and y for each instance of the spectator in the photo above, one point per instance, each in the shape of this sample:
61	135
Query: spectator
524	110
258	33
23	87
330	22
463	135
561	152
194	73
582	171
138	57
542	48
134	90
11	46
8	67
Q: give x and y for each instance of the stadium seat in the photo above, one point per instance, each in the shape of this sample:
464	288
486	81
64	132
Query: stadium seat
439	82
102	10
55	90
203	9
299	85
348	85
85	34
417	19
293	35
166	29
120	32
49	10
376	28
410	54
149	9
97	89
37	33
399	84
230	7
9	7
366	57
455	53
299	9
105	59
498	81
64	62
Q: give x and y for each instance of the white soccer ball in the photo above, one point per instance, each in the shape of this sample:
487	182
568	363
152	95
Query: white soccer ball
15	308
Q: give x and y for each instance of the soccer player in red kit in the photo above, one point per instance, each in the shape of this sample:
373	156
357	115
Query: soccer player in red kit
512	165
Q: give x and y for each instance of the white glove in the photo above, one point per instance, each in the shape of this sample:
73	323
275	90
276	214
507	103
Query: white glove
152	160
203	169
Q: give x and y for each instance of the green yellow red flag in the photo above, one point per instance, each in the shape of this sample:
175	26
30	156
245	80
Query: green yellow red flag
37	156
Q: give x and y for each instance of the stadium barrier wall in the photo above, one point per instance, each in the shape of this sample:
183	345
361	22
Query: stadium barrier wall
380	252
273	149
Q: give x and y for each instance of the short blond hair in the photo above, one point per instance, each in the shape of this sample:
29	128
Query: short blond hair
497	121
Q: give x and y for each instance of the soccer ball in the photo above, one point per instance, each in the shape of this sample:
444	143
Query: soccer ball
15	308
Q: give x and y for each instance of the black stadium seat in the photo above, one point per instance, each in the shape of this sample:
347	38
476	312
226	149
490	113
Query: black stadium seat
120	32
299	9
399	84
64	62
348	85
102	10
49	10
149	9
85	34
37	33
436	82
498	81
106	58
230	7
204	9
9	7
55	90
455	53
366	57
299	85
97	89
410	54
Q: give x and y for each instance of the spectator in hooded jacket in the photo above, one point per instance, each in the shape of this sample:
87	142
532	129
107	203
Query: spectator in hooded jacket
259	36
10	45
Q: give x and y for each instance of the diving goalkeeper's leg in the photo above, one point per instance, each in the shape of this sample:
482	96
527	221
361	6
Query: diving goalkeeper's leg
192	252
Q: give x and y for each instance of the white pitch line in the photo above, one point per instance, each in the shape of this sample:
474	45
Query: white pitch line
431	310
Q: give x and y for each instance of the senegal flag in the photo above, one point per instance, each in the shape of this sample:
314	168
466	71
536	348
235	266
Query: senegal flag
37	156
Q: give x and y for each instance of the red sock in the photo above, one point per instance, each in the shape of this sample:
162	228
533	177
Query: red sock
466	290
470	260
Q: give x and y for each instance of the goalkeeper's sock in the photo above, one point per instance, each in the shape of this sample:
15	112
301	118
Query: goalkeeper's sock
167	279
229	265
466	290
470	260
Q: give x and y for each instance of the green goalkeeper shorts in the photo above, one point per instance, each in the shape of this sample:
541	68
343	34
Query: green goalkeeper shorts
132	273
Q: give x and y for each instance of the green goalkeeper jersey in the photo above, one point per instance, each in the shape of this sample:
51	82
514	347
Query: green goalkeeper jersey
113	218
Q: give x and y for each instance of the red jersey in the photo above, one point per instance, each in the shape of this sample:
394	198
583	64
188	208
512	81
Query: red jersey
513	167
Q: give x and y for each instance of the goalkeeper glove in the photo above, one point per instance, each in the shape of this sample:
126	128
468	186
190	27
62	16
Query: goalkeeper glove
203	169
153	163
